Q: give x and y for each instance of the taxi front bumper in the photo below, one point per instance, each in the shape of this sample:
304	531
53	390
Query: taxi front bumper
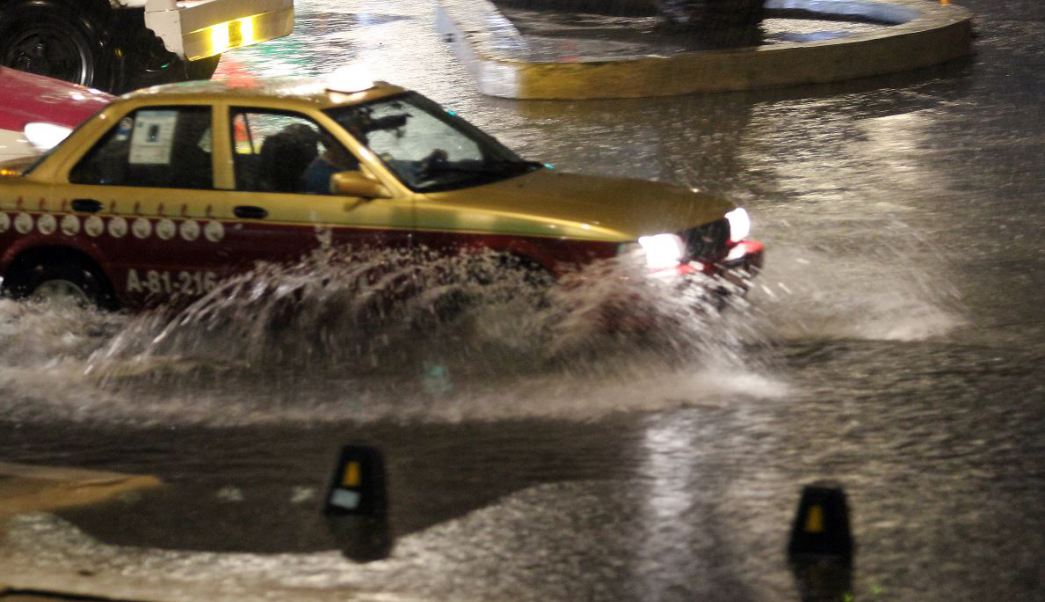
747	256
743	260
734	272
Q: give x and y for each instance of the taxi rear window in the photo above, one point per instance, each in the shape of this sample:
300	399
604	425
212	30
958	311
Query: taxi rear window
165	147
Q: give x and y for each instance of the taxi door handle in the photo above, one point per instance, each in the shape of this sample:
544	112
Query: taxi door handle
250	212
87	205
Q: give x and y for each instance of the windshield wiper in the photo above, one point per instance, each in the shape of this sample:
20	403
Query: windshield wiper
429	173
533	165
498	167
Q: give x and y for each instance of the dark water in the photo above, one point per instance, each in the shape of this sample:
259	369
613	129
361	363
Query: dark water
894	344
558	36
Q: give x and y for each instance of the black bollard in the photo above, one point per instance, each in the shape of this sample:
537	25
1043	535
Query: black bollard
820	549
821	524
356	504
358	484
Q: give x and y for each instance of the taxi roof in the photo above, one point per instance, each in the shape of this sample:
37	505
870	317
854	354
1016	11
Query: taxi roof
320	93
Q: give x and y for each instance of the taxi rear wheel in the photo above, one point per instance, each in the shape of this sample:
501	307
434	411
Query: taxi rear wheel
60	280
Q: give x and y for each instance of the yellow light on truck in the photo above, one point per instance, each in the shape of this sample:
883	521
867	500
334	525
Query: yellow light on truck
219	38
232	34
246	30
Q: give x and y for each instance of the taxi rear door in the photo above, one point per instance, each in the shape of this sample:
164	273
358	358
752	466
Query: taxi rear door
143	198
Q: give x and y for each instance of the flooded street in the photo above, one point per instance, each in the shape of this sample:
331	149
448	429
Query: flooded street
894	343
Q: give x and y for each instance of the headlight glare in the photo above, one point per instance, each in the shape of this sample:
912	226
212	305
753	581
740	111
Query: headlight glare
45	136
663	250
739	224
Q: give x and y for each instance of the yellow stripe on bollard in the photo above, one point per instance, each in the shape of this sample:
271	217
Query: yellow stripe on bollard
815	520
351	476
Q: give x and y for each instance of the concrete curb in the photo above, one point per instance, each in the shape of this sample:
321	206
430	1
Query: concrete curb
42	596
25	488
498	56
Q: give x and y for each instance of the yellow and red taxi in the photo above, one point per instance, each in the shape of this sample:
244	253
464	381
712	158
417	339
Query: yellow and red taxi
170	189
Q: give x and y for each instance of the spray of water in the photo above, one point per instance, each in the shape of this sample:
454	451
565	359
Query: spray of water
893	287
369	335
360	312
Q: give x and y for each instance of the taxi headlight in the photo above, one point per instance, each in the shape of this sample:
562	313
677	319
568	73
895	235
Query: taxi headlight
662	250
739	224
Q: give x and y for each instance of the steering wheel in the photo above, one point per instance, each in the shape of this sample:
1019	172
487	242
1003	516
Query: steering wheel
432	162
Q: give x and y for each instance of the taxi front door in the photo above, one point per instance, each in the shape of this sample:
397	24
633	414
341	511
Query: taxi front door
281	209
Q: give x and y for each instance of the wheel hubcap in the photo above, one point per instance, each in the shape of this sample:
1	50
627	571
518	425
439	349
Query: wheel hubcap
49	51
62	291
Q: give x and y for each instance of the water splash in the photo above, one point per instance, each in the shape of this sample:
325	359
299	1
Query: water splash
370	335
357	313
888	292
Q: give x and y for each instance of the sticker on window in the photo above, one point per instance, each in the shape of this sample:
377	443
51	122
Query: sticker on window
153	137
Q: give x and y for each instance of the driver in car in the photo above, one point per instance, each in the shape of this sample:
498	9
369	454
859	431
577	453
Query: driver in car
332	160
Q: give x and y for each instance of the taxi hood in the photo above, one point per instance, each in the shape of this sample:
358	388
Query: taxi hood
599	208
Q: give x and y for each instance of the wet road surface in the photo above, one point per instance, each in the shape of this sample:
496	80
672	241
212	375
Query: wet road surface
894	344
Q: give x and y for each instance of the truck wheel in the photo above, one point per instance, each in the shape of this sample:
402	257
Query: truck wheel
47	279
151	64
203	68
53	39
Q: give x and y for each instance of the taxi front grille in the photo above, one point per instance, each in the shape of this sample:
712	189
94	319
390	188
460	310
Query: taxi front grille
707	242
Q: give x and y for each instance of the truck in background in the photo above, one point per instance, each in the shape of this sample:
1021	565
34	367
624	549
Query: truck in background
120	45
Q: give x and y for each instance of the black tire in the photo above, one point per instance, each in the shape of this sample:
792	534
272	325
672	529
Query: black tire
203	68
159	66
55	39
49	276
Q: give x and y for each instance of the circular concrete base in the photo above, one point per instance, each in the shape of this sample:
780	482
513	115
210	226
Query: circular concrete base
921	33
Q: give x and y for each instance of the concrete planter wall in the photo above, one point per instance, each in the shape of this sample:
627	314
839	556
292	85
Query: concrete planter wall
925	33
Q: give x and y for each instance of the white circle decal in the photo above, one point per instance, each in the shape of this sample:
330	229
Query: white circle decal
70	225
5	222
117	227
94	226
141	228
23	223
214	231
166	229
190	230
46	224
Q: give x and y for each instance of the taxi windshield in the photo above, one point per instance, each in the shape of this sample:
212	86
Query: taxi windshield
428	147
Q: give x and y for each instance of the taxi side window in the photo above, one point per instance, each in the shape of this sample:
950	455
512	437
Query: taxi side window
284	152
166	147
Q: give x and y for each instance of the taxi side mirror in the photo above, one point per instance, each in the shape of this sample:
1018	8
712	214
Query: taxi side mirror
356	183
